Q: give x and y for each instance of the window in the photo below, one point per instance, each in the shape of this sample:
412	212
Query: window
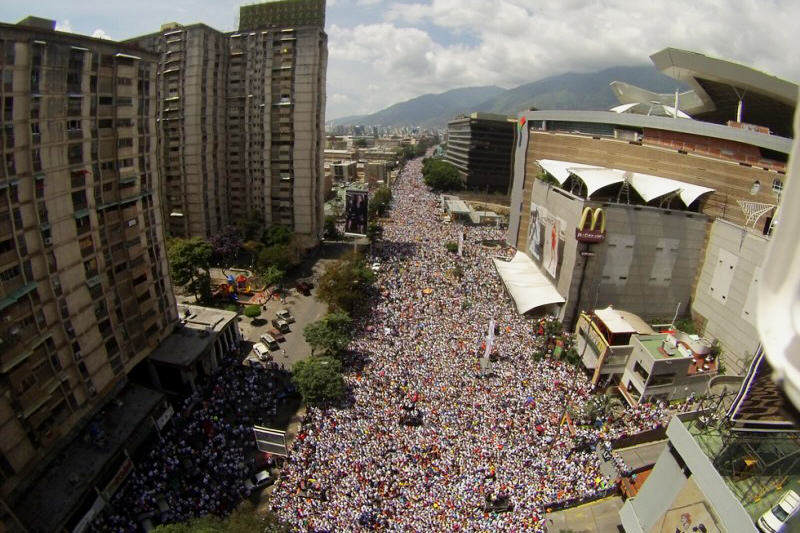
777	186
82	224
75	154
125	143
639	369
106	100
11	273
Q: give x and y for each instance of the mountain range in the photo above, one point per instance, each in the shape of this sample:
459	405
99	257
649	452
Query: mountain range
589	91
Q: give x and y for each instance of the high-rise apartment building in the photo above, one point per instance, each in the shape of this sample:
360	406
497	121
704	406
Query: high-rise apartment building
84	290
191	111
241	119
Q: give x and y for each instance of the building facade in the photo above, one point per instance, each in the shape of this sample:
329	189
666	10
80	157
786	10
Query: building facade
191	109
481	147
687	205
242	119
85	294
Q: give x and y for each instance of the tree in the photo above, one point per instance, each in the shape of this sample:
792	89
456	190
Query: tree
441	175
374	231
319	379
330	335
270	275
330	229
250	226
276	234
243	520
252	311
279	256
189	263
226	244
361	142
344	284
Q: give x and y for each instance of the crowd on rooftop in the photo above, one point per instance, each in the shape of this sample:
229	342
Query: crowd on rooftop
203	455
427	441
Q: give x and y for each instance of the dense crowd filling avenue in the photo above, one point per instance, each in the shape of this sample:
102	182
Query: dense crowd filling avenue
425	442
204	454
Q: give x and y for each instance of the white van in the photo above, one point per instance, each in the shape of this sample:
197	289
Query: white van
269	341
261	351
774	519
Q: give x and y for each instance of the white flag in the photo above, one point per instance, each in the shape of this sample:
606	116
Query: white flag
489	339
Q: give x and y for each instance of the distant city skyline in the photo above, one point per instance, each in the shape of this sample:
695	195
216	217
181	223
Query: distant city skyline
383	52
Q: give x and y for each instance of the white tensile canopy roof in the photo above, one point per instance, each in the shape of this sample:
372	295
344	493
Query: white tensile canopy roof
528	286
561	170
648	186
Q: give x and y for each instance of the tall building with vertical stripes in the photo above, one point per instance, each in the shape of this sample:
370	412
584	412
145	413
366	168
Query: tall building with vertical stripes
241	119
84	290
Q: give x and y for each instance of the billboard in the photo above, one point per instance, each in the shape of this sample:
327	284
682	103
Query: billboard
545	238
271	440
355	213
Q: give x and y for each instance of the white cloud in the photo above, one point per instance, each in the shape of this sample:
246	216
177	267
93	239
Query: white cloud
100	34
511	42
64	25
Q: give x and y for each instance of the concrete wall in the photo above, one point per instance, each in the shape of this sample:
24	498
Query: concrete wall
667	488
728	312
646	265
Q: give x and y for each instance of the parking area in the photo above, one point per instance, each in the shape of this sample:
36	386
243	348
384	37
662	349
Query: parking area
304	309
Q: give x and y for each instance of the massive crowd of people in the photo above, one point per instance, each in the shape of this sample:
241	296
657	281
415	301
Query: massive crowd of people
203	455
427	441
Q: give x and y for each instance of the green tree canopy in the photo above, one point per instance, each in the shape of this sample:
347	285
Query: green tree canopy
441	175
319	379
330	335
284	257
270	274
252	311
276	234
330	229
344	284
189	263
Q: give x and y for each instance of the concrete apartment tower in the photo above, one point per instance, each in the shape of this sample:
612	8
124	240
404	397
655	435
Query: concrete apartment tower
84	290
241	118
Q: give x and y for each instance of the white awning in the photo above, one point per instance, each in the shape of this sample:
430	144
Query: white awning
652	187
561	170
528	286
597	178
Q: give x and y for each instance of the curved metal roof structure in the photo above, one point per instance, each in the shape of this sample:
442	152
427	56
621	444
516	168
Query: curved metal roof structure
720	85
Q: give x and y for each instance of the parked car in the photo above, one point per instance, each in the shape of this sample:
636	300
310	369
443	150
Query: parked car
277	335
775	518
269	341
262	351
304	288
281	325
285	315
258	480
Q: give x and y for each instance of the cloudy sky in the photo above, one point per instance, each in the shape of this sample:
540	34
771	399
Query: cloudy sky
386	51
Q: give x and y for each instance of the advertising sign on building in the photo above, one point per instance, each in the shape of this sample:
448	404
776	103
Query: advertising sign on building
356	213
591	228
553	227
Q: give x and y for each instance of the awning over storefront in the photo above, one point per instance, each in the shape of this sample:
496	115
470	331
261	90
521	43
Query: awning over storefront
528	286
